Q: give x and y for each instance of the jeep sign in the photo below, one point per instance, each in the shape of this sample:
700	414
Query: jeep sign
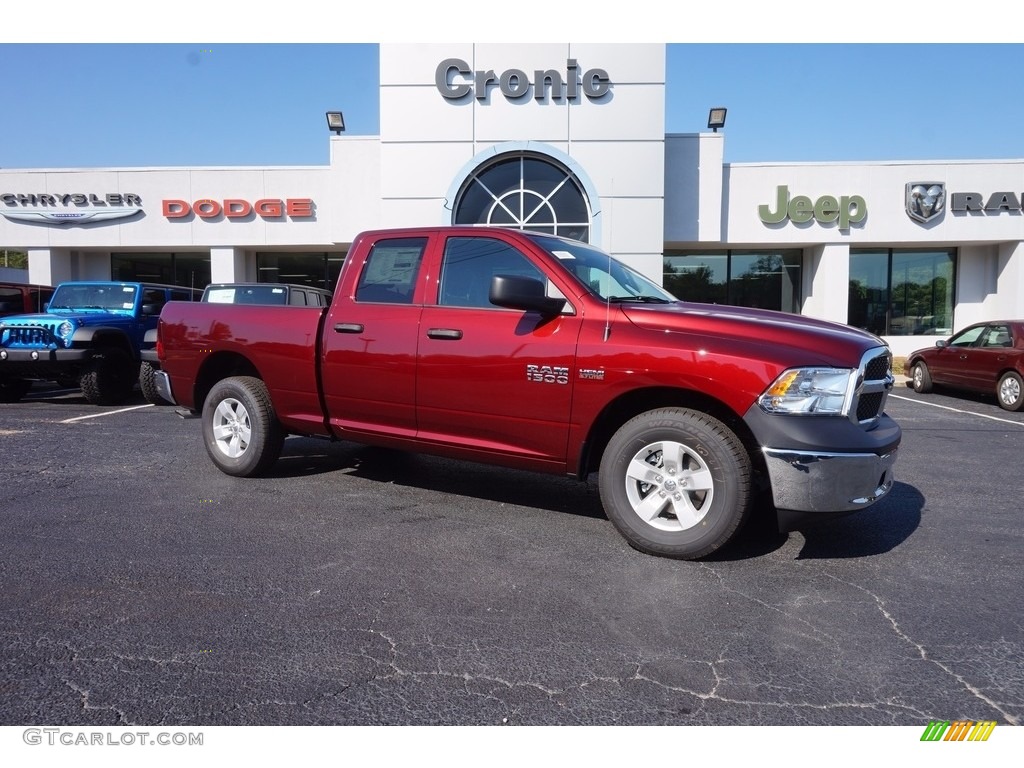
847	210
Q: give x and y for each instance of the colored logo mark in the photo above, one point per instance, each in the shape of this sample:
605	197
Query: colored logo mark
958	730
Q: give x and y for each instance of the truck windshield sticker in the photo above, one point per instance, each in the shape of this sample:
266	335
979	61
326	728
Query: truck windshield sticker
564	255
221	296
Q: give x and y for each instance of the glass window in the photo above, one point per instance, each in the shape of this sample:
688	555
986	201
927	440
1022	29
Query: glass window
191	270
11	301
762	279
603	275
967	337
698	277
38	297
389	274
998	336
468	265
902	293
765	280
312	269
94	296
522	190
14	259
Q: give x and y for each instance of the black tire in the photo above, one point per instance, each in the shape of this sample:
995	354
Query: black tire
147	383
240	429
12	390
110	377
688	506
1010	392
920	378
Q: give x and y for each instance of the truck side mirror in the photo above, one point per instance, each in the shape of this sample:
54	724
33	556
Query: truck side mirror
526	293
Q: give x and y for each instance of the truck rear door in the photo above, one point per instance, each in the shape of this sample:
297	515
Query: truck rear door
370	338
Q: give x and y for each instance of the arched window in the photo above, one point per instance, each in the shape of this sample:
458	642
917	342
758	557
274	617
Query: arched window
522	190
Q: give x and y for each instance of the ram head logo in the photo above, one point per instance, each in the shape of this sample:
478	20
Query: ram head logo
926	200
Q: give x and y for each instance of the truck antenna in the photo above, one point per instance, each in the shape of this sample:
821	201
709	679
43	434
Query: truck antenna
608	303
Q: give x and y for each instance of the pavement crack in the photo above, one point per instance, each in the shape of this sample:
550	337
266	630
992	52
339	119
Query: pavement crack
922	652
84	693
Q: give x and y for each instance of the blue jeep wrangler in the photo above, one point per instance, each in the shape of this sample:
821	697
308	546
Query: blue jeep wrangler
90	336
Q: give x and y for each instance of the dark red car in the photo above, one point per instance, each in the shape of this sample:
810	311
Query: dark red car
19	298
984	357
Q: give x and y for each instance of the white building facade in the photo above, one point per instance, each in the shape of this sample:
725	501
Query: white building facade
568	139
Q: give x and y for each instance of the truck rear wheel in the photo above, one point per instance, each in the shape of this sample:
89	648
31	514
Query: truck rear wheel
240	429
110	377
675	482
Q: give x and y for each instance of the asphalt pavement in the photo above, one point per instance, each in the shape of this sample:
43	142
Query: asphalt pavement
365	587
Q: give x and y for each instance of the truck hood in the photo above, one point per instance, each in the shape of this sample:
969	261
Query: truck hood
826	342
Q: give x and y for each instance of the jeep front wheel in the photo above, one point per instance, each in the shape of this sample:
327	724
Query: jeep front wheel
240	429
676	482
110	377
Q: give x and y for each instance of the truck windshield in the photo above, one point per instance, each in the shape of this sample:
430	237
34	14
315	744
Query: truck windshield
246	294
94	296
601	274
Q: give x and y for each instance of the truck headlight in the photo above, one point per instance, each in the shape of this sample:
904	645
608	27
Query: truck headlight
65	331
810	391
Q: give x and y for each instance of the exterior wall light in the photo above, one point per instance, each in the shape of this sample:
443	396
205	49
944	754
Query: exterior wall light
336	122
716	118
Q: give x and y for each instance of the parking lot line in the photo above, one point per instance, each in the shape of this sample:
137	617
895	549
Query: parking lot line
959	410
106	413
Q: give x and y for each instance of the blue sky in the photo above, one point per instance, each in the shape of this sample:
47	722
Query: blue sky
79	102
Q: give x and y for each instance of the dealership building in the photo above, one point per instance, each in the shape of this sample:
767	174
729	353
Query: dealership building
568	139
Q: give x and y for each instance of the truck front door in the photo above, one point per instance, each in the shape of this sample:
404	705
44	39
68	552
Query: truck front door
492	380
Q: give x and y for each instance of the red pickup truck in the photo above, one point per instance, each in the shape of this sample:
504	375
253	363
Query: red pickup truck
531	351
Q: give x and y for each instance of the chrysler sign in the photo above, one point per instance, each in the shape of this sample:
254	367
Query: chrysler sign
68	208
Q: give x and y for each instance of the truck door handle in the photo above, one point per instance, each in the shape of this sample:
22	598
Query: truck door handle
444	334
348	327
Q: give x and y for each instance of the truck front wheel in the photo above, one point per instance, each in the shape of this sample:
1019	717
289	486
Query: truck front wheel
675	482
240	429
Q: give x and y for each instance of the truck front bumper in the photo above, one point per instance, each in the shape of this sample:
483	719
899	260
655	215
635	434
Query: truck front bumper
814	481
163	386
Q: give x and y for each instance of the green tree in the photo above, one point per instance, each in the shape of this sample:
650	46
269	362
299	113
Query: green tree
13	259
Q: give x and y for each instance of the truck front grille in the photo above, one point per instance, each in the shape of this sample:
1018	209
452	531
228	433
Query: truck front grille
876	380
